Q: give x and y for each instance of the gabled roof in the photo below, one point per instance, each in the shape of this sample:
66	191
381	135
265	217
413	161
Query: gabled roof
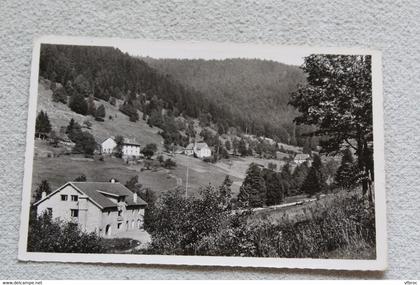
95	191
302	156
131	141
201	145
127	141
190	146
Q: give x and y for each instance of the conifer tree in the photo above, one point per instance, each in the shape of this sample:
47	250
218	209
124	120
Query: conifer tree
78	104
43	187
225	192
314	181
253	191
346	175
42	124
100	112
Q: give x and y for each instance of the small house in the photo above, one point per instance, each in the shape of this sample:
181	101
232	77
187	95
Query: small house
200	150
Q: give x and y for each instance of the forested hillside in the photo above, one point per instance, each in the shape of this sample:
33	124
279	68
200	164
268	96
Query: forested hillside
247	95
257	91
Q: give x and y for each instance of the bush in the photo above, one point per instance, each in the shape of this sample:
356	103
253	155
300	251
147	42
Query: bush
78	104
200	225
169	163
60	95
46	235
130	111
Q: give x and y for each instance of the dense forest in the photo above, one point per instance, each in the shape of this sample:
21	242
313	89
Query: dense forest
256	91
248	95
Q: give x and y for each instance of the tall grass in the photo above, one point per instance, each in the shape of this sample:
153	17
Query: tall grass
342	227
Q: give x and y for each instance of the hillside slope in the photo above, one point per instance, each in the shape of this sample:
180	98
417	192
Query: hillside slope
250	88
60	115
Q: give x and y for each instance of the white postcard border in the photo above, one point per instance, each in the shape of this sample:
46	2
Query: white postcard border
380	263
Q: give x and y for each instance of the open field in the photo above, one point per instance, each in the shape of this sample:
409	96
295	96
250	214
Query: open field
61	169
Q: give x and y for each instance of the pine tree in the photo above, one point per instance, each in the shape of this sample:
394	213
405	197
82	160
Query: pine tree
225	192
275	189
253	191
242	149
78	104
42	124
314	182
100	112
91	110
43	187
347	173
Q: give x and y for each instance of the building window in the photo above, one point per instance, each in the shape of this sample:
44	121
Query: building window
49	211
109	213
74	198
64	197
119	225
74	213
119	213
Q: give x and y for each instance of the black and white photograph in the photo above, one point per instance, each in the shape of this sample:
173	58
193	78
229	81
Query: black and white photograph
201	153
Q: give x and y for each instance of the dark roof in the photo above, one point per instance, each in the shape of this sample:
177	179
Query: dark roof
91	190
128	141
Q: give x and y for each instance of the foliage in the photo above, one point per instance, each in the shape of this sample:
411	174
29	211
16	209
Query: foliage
118	151
100	112
78	104
149	150
225	193
130	111
233	84
60	95
107	73
80	178
42	124
275	189
181	224
85	143
314	181
199	225
337	99
149	219
82	85
347	174
47	235
252	192
43	187
133	184
91	110
169	163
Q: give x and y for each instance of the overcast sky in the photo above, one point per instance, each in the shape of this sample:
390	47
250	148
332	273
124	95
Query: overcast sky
209	50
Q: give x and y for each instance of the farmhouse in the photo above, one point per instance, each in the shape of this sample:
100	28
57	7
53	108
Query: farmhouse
102	207
302	158
130	148
200	150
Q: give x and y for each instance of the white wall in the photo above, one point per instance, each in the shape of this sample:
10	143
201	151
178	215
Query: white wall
62	209
108	146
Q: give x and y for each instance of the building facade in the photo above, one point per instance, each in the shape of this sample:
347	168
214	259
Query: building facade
130	148
102	207
200	150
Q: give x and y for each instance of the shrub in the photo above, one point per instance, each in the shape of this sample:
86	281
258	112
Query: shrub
60	95
46	235
169	163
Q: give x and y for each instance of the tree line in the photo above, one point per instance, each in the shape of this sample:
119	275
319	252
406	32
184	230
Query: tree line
106	73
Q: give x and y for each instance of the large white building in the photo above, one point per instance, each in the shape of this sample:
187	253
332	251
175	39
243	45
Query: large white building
130	148
102	207
200	150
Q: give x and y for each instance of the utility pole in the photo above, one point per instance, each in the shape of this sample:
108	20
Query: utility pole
186	183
